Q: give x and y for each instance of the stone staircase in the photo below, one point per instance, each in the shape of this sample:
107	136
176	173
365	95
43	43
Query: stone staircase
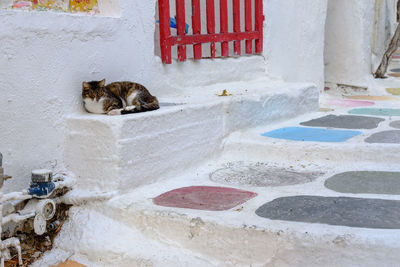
251	189
124	152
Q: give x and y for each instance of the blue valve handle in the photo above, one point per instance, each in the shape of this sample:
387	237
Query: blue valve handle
41	190
172	24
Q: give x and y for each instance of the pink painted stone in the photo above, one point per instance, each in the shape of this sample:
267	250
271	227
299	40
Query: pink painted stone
350	103
204	198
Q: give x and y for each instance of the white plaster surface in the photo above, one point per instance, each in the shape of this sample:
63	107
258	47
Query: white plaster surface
356	36
110	243
294	39
348	41
45	56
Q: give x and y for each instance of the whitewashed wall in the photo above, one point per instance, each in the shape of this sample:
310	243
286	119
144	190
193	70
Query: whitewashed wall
294	39
45	56
357	33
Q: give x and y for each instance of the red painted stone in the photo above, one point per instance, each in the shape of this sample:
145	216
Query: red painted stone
204	198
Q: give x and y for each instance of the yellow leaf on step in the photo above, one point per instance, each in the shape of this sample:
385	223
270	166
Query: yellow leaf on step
224	93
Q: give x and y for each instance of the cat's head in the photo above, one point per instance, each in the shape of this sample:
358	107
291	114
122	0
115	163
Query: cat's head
93	89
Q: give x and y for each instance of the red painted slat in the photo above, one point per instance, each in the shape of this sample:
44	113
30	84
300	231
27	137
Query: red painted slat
207	38
211	23
224	37
196	24
181	27
236	24
165	32
259	20
223	6
248	24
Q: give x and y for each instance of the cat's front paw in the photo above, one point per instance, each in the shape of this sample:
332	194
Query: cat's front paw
130	108
114	112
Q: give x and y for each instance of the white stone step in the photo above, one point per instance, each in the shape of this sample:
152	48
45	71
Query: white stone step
123	152
238	237
98	241
251	145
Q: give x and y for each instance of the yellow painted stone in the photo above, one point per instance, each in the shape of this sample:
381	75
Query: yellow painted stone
393	91
372	97
83	5
70	264
326	110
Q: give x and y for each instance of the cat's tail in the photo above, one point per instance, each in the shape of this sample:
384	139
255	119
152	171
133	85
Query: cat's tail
149	106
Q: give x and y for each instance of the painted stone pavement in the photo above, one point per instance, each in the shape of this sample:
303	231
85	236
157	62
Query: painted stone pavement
349	103
311	134
365	182
372	97
386	137
395	124
261	175
339	211
344	122
393	91
376	111
344	211
204	198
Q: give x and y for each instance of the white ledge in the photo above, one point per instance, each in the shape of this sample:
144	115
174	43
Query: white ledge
123	152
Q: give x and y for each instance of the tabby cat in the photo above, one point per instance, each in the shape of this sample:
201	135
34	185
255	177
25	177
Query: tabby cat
117	98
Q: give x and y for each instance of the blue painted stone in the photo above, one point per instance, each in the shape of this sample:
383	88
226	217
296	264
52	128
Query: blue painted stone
376	111
312	134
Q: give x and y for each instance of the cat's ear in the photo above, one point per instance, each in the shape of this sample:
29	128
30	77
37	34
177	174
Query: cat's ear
102	83
85	86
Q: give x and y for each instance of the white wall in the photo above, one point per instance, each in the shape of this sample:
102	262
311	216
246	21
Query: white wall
354	30
294	39
45	56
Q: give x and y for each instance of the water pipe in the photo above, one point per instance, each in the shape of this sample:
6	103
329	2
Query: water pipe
39	206
5	244
12	242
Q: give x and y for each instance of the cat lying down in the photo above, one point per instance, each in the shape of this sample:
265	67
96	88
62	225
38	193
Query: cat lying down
117	98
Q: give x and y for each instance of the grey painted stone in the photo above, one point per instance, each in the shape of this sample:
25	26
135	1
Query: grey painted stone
365	183
395	124
344	211
261	175
345	122
395	70
386	137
